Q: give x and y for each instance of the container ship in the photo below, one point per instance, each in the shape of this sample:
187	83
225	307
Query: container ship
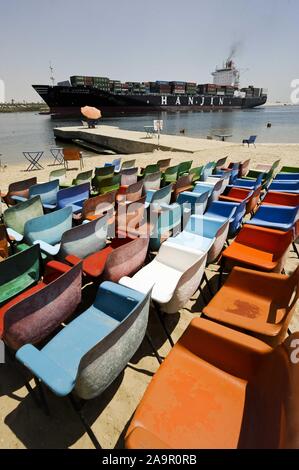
115	98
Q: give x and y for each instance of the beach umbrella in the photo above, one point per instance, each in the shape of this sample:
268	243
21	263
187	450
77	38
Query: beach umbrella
91	113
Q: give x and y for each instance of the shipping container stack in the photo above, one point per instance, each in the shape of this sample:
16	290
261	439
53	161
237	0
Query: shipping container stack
229	90
102	83
77	80
191	88
147	87
178	88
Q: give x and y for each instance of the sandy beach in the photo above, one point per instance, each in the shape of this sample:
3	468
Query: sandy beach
23	424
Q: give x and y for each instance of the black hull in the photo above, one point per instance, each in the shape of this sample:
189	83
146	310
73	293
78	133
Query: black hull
67	101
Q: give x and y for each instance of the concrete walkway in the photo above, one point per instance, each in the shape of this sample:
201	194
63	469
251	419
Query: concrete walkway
128	142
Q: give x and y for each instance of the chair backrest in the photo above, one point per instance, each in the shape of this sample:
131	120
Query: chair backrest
264	239
84	239
58	175
98	205
252	139
129	176
220	238
15	217
49	227
19	272
253	200
126	259
3	242
128	164
184	167
109	184
19	188
220	163
288	169
184	183
102	363
47	191
165	224
194	202
72	195
83	177
207	170
161	196
171	174
130	216
164	163
71	154
281	199
102	173
134	191
152	181
116	163
35	317
195	173
243	168
152	168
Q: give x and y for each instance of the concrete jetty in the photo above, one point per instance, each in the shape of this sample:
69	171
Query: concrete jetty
128	142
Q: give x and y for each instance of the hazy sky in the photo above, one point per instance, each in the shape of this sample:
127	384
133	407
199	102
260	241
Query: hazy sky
148	40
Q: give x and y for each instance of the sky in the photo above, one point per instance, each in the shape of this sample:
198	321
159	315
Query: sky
145	40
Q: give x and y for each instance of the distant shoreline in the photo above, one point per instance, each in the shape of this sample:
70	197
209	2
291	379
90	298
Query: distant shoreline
23	107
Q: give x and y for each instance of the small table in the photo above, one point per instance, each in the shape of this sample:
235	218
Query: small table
33	158
223	136
57	154
149	131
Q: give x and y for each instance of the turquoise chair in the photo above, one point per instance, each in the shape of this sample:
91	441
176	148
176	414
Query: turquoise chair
47	192
155	198
165	223
16	216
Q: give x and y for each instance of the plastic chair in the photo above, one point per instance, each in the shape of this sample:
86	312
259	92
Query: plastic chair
128	164
128	176
281	199
70	154
214	189
152	181
158	197
87	355
287	177
73	197
96	207
130	220
285	186
290	169
250	197
152	168
193	202
170	175
19	188
224	210
195	173
249	184
164	164
258	248
249	141
215	178
102	173
243	168
184	167
184	183
109	184
224	389
262	304
47	192
83	177
207	170
34	315
58	175
116	163
276	217
15	217
164	224
220	163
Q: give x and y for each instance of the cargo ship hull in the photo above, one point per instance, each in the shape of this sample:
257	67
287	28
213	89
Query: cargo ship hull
66	101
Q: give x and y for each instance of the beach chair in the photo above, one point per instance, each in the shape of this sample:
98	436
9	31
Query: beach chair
261	304
152	181
33	315
164	164
195	173
47	230
224	210
214	190
183	183
96	207
249	196
289	169
220	163
88	354
225	389
258	248
207	170
184	167
130	193
281	199
128	164
193	202
152	168
19	188
249	141
47	192
170	175
116	163
164	224
276	217
83	177
158	197
59	175
285	186
128	176
73	197
70	154
15	217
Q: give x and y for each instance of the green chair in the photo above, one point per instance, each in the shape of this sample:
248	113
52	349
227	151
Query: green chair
153	168
18	272
184	167
101	173
84	177
170	175
15	217
289	169
109	184
58	175
196	173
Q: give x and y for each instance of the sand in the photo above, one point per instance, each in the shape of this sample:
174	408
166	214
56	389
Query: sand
24	425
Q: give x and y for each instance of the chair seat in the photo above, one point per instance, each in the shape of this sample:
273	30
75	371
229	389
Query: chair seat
94	264
199	401
270	224
192	240
17	299
246	255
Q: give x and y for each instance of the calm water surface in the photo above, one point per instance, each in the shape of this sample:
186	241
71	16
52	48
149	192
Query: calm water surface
31	131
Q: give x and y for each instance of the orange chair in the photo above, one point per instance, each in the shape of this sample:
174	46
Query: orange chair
258	248
262	304
281	199
219	388
72	154
239	195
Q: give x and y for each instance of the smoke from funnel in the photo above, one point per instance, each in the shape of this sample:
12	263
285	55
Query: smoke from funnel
235	48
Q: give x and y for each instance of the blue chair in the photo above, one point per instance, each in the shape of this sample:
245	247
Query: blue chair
48	229
275	217
87	355
248	184
224	210
215	189
285	186
73	197
287	177
249	141
207	170
47	192
193	202
165	223
233	172
116	163
157	197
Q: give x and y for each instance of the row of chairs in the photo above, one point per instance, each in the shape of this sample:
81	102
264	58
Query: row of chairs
102	339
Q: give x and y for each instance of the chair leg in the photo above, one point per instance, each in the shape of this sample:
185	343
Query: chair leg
161	319
296	249
150	342
42	396
87	428
208	284
203	296
220	277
